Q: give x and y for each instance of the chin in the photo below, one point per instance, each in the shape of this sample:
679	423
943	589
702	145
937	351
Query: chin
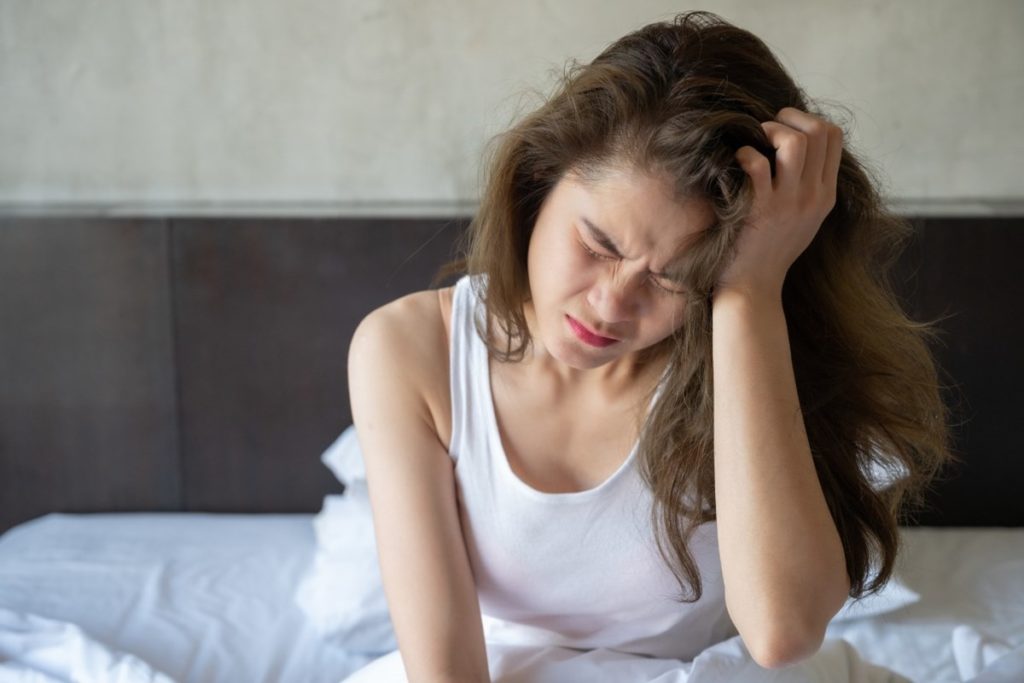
579	356
569	350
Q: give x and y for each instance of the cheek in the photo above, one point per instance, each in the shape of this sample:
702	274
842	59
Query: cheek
678	318
561	267
667	319
578	264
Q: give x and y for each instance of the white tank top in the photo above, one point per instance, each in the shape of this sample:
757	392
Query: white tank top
576	569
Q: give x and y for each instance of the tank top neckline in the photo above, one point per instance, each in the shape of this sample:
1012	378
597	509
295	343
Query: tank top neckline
497	448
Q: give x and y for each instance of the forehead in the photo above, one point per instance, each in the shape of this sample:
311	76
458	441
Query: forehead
639	211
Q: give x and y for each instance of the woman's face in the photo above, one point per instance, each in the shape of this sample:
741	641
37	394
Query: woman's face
594	257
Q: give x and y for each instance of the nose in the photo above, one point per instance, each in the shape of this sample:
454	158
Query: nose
614	299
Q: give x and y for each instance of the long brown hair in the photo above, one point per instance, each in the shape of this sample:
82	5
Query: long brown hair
677	99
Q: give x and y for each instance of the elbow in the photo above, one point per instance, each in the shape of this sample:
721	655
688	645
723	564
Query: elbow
788	632
778	647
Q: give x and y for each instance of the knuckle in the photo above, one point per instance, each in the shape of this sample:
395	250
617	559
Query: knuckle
817	128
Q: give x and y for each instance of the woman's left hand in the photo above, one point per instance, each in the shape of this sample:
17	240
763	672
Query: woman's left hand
789	208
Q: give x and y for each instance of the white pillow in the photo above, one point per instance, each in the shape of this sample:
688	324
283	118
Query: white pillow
344	458
342	593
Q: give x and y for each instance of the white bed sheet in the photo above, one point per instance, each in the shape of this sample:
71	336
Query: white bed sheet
200	597
210	598
968	579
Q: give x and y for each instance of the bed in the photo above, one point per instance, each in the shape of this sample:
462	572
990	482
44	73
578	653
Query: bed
166	425
212	598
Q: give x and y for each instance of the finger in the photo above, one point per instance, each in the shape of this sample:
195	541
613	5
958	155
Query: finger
816	131
830	174
790	150
756	165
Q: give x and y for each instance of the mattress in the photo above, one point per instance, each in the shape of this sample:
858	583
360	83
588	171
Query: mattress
211	597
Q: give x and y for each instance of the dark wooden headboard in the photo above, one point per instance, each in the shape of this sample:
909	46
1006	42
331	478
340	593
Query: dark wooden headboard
199	363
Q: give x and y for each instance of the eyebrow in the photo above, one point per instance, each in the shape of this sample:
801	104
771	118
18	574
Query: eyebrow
605	241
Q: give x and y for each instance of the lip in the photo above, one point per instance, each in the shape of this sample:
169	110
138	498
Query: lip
585	335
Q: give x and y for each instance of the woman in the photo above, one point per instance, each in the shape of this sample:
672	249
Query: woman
648	415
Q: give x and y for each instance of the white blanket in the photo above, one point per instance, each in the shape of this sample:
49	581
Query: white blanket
726	662
984	658
34	649
210	599
38	650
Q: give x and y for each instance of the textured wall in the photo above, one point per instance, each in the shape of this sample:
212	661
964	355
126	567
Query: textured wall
164	104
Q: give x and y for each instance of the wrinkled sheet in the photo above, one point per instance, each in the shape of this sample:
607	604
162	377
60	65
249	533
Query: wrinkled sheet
211	598
203	598
967	579
33	648
984	658
726	662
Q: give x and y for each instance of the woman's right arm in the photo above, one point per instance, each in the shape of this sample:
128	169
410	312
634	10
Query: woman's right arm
427	578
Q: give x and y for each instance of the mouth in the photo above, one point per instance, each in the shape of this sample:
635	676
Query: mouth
586	335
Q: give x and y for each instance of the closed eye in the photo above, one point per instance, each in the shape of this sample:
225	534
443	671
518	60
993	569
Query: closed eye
667	290
596	255
653	280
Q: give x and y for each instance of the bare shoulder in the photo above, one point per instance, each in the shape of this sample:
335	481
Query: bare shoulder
405	341
416	324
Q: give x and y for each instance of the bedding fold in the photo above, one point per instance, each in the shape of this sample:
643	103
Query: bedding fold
984	658
34	648
726	662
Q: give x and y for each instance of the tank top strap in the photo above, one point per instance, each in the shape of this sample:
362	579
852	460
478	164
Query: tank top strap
468	362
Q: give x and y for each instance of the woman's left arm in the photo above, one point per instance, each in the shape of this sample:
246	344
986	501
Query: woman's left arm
782	558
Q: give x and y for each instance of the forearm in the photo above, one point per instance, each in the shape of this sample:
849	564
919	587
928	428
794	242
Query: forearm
428	581
782	558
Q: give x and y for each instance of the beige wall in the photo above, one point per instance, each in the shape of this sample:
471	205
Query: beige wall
379	105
